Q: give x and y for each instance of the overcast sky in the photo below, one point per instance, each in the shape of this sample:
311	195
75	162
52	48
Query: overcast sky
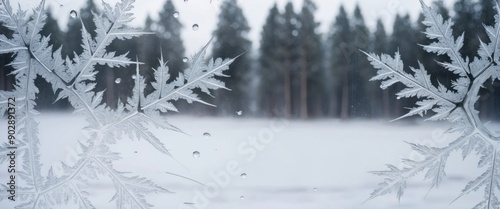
204	13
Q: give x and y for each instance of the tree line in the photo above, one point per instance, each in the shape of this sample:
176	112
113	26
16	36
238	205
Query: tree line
297	71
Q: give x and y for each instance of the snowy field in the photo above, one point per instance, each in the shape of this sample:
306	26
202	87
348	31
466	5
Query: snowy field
317	164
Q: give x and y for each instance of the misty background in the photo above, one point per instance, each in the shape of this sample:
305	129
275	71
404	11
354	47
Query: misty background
295	68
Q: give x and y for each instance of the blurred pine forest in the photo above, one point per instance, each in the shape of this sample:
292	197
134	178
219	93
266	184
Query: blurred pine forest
297	71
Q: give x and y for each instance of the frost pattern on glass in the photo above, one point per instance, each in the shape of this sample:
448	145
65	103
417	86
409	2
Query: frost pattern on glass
454	104
75	79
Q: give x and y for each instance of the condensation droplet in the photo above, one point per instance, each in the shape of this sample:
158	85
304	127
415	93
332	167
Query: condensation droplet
185	59
243	175
239	112
185	1
134	76
207	135
196	27
196	154
135	152
315	189
242	197
176	14
118	80
73	14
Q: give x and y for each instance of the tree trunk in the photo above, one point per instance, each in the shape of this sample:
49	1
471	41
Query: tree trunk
386	103
344	112
3	80
334	103
111	98
287	91
303	87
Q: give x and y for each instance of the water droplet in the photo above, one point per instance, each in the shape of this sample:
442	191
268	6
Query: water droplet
73	14
315	189
186	1
207	135
134	76
176	14
135	152
239	112
295	33
242	197
196	154
185	59
243	175
118	80
196	27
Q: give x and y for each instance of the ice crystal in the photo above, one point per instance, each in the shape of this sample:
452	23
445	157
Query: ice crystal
75	79
454	104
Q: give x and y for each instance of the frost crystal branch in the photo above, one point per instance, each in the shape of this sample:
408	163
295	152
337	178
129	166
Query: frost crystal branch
75	79
454	104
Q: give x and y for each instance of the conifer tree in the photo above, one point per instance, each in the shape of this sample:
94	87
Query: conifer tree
46	95
430	60
489	103
403	39
310	60
169	34
73	34
270	61
380	101
148	47
290	42
359	67
231	40
340	36
466	21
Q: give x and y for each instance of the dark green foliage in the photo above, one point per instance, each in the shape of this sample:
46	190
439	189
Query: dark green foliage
299	72
46	95
7	80
466	21
340	58
148	50
348	65
73	36
311	72
431	60
290	44
359	91
404	40
169	34
292	75
271	68
166	41
378	101
230	41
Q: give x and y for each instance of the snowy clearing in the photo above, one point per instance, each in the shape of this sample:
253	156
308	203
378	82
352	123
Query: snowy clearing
319	164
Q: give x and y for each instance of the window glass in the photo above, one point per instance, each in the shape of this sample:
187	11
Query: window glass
249	104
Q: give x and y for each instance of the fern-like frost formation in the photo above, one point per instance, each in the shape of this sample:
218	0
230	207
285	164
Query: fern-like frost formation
454	104
75	79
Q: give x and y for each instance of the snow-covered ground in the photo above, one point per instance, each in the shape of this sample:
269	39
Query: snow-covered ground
317	164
